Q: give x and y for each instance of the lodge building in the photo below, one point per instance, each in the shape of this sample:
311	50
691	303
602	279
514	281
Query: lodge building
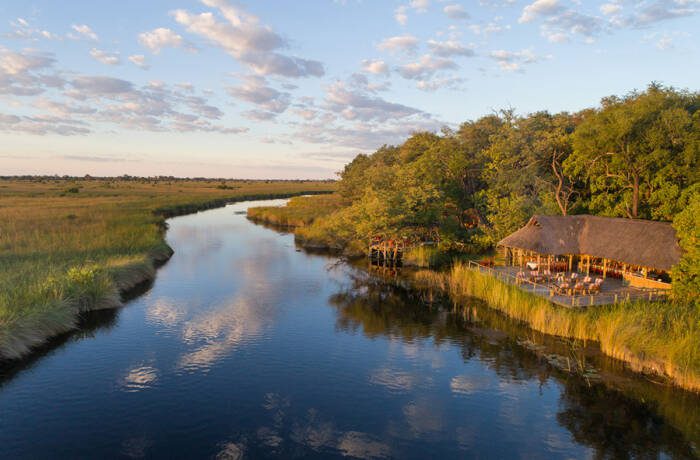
642	252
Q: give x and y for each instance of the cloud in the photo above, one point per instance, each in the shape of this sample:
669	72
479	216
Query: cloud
449	48
420	6
648	13
99	85
540	8
455	11
406	43
400	15
355	104
162	37
513	60
85	31
243	37
256	91
139	60
27	73
610	8
560	22
375	66
435	84
104	57
425	67
23	30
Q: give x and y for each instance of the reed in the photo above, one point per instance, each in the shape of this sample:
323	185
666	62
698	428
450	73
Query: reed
655	337
298	212
72	245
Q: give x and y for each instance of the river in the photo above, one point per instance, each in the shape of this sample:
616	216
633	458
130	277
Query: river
246	347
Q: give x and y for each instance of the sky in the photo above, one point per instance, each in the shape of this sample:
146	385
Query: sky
295	89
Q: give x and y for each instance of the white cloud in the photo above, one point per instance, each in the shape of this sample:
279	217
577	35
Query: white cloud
243	37
375	66
425	67
104	57
162	37
449	48
400	15
664	43
256	91
85	31
511	61
435	84
660	10
488	28
540	8
407	43
356	104
455	11
610	8
420	5
139	60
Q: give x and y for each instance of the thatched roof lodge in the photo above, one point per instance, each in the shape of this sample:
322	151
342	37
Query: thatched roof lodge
611	246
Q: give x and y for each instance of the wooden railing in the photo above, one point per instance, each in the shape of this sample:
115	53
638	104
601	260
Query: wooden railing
574	300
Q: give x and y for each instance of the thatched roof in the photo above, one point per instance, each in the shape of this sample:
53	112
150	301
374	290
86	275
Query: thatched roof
636	242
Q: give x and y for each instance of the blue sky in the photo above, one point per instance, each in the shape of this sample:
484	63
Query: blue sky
289	89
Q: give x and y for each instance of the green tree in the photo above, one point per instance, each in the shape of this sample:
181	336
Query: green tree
635	148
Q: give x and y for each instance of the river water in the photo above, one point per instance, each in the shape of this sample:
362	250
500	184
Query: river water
245	347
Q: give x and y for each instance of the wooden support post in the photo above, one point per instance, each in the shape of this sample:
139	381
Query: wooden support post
571	261
605	267
588	265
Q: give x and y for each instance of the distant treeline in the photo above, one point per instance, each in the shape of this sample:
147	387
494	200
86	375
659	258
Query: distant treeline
128	178
635	156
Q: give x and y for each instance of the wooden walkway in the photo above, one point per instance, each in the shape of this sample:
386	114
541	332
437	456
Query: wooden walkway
613	291
386	250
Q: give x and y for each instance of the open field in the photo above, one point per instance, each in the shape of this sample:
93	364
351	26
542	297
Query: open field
69	245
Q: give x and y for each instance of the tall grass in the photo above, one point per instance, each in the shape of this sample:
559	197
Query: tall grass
298	212
64	253
657	337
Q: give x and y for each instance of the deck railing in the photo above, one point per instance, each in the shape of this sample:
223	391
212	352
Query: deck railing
573	300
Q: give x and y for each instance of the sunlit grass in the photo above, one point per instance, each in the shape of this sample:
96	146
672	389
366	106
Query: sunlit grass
69	246
299	211
660	337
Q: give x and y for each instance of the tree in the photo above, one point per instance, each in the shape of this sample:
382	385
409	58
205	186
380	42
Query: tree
630	148
686	275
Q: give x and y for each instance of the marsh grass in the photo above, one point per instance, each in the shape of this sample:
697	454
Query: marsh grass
65	253
298	212
656	337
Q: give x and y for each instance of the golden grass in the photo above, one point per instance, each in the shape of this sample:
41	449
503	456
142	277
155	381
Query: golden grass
298	212
657	337
71	245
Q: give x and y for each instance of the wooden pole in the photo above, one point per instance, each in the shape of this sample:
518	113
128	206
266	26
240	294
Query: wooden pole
571	261
605	267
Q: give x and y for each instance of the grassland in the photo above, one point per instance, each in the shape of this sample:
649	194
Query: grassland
299	211
68	246
653	337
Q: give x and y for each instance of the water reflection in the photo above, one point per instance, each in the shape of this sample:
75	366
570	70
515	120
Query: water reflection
605	419
215	334
140	378
246	348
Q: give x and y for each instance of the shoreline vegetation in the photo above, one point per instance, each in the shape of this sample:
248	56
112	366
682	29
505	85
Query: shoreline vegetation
635	156
72	245
657	338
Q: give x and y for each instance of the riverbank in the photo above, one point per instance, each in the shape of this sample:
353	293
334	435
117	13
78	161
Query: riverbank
71	246
659	338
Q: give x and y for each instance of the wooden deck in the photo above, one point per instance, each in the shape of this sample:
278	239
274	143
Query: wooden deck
613	291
